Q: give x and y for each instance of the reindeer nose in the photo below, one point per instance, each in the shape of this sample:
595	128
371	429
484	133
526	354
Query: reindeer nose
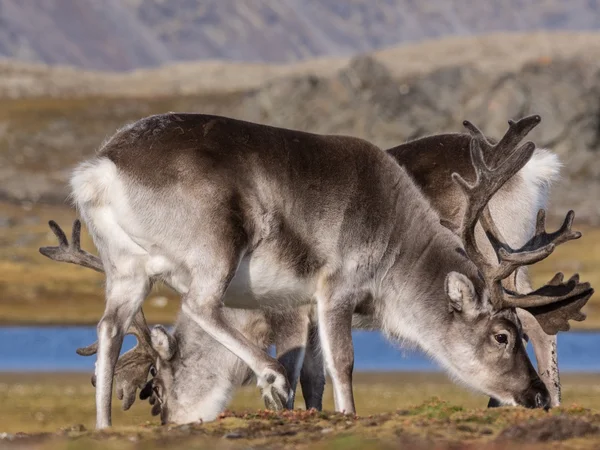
539	402
542	401
536	396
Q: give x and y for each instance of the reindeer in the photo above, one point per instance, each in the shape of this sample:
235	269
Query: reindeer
206	385
231	213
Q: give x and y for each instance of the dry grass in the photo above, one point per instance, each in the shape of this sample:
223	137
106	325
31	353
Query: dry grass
394	408
36	290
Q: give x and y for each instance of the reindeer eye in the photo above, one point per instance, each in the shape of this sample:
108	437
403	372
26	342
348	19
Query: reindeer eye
501	338
153	371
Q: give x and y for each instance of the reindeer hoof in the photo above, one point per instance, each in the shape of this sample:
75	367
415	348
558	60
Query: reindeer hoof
275	389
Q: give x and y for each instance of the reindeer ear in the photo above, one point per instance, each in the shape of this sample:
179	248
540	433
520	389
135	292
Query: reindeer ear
163	343
461	293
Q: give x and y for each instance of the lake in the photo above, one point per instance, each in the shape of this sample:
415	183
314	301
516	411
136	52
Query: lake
52	349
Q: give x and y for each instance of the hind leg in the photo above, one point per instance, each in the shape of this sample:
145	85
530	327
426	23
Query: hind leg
125	292
204	304
312	377
291	332
336	301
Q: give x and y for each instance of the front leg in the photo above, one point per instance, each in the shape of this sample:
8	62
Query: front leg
544	347
335	332
204	304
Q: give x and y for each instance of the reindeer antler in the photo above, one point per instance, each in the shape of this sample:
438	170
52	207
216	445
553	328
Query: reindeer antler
556	302
132	368
71	253
517	132
487	183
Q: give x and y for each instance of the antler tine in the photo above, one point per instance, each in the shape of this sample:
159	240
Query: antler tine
540	246
476	133
71	253
551	292
556	303
515	134
139	328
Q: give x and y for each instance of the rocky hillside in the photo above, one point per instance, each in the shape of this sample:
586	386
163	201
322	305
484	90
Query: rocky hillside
129	34
376	97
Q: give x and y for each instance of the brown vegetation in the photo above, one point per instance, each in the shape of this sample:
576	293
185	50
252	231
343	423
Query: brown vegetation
397	410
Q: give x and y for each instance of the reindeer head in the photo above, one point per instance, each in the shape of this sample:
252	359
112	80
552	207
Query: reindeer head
152	355
480	305
193	376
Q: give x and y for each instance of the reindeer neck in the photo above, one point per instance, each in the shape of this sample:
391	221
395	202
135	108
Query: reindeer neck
413	305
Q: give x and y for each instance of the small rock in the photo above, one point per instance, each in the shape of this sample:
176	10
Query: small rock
234	435
326	430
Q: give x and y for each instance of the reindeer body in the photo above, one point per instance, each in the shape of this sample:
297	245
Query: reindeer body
430	161
191	199
282	217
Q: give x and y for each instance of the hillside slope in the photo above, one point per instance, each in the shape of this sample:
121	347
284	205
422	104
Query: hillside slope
378	98
129	34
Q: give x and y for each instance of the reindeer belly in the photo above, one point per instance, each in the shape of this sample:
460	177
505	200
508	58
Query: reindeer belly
261	282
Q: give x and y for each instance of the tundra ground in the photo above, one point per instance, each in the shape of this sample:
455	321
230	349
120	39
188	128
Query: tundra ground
397	410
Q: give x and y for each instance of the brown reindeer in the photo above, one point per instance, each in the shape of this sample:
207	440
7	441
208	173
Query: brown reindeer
360	236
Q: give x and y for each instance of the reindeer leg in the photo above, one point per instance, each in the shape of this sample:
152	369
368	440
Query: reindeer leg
204	304
125	293
544	347
335	331
291	334
312	376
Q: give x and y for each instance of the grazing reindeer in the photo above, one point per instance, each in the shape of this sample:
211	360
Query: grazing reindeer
201	388
195	372
226	220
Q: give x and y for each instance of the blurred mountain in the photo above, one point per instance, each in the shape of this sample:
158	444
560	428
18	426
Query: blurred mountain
129	34
51	118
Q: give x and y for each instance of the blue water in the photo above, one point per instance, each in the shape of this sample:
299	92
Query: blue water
52	349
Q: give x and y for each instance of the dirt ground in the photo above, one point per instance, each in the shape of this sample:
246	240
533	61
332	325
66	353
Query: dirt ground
397	410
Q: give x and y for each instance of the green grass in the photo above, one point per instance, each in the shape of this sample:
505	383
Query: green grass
394	408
